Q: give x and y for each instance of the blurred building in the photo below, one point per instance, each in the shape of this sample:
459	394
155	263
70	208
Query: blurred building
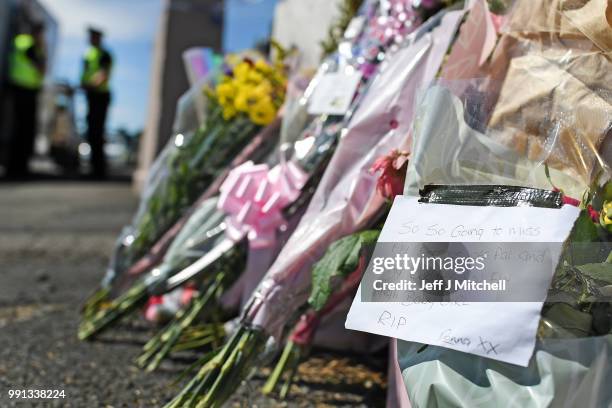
290	14
184	24
199	23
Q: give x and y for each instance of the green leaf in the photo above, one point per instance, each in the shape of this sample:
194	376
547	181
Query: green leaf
584	231
597	271
601	194
340	260
568	318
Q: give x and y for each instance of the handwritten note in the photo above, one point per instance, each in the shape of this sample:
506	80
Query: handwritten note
503	331
334	93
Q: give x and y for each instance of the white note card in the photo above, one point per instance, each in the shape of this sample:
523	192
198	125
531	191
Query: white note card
503	331
334	93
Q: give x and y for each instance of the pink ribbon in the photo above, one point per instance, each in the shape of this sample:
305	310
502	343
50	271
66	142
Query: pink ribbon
253	197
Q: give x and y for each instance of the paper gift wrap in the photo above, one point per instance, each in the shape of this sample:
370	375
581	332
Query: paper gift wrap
555	101
546	113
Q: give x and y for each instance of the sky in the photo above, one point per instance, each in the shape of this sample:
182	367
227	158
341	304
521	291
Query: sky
130	27
246	22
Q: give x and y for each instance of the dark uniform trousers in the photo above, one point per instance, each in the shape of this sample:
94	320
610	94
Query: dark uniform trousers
97	103
21	144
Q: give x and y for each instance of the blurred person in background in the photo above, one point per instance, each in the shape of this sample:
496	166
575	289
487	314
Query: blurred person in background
27	65
97	67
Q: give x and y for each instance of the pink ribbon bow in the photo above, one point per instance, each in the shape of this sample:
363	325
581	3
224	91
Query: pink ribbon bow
253	197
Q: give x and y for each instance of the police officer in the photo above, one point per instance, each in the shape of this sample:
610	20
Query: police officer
27	64
97	66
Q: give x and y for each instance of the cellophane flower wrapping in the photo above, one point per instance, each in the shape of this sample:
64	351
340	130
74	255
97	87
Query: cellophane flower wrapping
237	104
203	227
346	200
309	140
553	62
458	141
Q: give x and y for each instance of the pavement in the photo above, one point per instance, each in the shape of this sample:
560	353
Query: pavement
55	239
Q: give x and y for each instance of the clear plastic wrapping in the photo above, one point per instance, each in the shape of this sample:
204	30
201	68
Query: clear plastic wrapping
309	140
346	199
456	145
562	373
193	158
551	75
455	152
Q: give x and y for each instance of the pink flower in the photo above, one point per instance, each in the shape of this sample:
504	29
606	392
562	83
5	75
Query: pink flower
393	173
593	213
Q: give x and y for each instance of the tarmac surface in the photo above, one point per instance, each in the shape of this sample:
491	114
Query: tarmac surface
55	239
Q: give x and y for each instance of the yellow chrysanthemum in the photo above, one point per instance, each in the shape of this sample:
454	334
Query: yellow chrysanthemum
243	98
254	77
241	71
225	93
229	112
261	91
263	112
263	66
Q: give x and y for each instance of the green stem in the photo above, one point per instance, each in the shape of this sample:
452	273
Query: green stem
172	335
279	369
124	305
234	370
188	396
294	367
92	304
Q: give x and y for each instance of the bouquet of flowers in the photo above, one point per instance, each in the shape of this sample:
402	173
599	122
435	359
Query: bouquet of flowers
246	98
344	203
316	136
336	276
574	329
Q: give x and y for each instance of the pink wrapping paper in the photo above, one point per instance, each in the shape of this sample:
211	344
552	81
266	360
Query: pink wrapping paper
253	197
397	396
346	199
475	43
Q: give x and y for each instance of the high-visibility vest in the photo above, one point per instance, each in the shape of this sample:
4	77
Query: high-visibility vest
23	72
93	59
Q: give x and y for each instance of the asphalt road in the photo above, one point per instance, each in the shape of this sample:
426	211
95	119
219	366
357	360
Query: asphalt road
55	238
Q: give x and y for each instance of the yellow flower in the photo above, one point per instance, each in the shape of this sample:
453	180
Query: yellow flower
261	91
606	216
262	66
225	93
241	71
229	112
243	99
262	112
254	77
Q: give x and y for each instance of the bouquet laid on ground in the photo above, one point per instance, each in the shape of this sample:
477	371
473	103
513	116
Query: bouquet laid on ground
246	98
289	180
459	141
336	276
345	202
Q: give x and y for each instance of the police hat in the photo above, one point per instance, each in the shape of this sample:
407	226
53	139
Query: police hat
95	31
